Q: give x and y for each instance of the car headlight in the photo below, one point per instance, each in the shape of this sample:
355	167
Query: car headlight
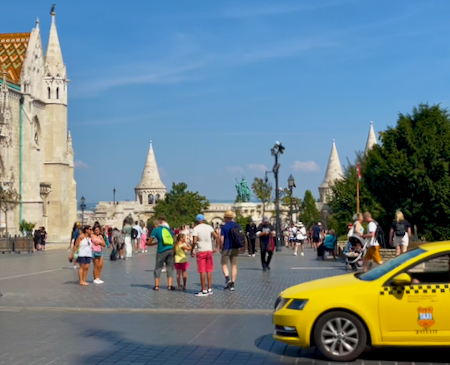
280	303
298	304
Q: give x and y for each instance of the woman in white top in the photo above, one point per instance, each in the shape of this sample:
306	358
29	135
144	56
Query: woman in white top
300	239
84	253
357	226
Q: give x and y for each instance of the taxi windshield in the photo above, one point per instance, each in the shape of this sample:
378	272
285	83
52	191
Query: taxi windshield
381	270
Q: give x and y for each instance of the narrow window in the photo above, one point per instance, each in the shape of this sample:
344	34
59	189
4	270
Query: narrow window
150	199
156	198
49	93
57	93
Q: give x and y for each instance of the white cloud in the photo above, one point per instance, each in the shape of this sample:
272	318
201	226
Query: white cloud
235	170
307	166
78	164
258	167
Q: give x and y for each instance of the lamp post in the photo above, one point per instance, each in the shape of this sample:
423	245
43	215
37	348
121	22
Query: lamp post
114	194
83	207
278	149
291	185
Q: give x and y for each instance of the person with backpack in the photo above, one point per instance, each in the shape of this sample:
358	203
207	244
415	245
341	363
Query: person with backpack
136	233
232	238
373	251
400	233
164	254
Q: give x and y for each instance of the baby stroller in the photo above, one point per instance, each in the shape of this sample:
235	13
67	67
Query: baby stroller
354	255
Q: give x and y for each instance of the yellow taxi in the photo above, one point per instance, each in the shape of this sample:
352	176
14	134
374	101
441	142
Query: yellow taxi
404	302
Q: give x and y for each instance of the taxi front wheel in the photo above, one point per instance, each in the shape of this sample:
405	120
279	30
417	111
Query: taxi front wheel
340	336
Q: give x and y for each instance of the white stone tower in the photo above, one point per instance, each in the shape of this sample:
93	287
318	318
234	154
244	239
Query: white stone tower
150	189
371	140
334	172
58	153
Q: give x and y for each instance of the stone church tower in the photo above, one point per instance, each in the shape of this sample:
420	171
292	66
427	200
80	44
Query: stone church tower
334	172
150	189
36	154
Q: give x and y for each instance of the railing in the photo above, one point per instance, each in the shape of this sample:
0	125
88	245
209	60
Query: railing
16	245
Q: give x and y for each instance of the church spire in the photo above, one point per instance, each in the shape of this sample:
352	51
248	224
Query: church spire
69	142
53	57
371	139
333	173
150	176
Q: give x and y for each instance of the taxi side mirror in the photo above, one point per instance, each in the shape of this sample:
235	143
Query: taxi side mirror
402	279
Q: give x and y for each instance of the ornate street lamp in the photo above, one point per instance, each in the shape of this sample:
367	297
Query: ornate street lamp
83	207
291	185
278	149
114	193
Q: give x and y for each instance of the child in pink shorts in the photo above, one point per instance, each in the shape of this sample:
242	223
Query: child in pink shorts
181	262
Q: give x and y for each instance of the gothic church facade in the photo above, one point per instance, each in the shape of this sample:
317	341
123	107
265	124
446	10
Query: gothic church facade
36	154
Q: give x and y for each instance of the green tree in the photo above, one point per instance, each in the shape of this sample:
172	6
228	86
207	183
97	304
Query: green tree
263	192
9	199
410	170
180	206
309	212
289	197
343	198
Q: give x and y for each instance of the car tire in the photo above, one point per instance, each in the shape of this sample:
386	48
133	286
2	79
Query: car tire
340	344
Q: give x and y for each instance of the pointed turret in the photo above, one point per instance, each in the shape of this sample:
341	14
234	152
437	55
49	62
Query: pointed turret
53	56
333	173
69	143
371	139
150	189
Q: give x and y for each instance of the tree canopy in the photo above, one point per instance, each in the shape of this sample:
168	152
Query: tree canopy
180	206
410	170
263	191
309	212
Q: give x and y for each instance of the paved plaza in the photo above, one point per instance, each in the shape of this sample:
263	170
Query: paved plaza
47	318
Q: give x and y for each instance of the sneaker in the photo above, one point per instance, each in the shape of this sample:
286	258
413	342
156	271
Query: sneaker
231	286
249	255
295	253
75	267
98	281
210	292
303	254
202	294
253	255
227	285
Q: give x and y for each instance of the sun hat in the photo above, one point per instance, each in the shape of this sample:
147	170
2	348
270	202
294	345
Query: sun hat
229	214
200	217
265	219
300	224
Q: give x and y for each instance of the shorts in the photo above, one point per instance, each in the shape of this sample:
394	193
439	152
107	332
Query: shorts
84	260
300	242
230	256
96	255
292	239
183	266
120	246
373	253
316	239
205	262
401	241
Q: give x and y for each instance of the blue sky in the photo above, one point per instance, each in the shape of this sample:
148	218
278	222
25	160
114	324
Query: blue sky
215	83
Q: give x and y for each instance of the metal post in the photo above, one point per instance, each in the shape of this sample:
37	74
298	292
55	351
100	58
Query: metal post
83	207
277	202
114	192
290	207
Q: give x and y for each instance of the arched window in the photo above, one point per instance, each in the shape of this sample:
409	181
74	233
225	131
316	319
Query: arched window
49	93
140	198
150	199
156	198
57	93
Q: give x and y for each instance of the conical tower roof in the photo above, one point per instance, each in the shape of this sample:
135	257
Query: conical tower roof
371	139
150	176
53	56
334	169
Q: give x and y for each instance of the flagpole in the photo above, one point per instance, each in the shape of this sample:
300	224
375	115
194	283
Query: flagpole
357	186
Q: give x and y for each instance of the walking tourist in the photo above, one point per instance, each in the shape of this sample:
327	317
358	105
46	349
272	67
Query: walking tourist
373	252
292	235
128	247
98	242
136	236
357	226
83	244
266	235
202	242
251	235
181	262
400	233
119	242
144	236
316	231
230	254
164	254
74	235
300	239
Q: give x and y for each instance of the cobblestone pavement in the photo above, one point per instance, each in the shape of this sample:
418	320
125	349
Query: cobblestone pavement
46	318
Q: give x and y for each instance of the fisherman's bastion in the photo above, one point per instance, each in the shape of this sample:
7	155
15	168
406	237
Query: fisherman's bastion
151	189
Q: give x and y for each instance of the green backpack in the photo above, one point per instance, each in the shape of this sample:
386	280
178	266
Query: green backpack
167	237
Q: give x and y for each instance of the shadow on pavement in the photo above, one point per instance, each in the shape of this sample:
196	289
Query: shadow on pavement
391	355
